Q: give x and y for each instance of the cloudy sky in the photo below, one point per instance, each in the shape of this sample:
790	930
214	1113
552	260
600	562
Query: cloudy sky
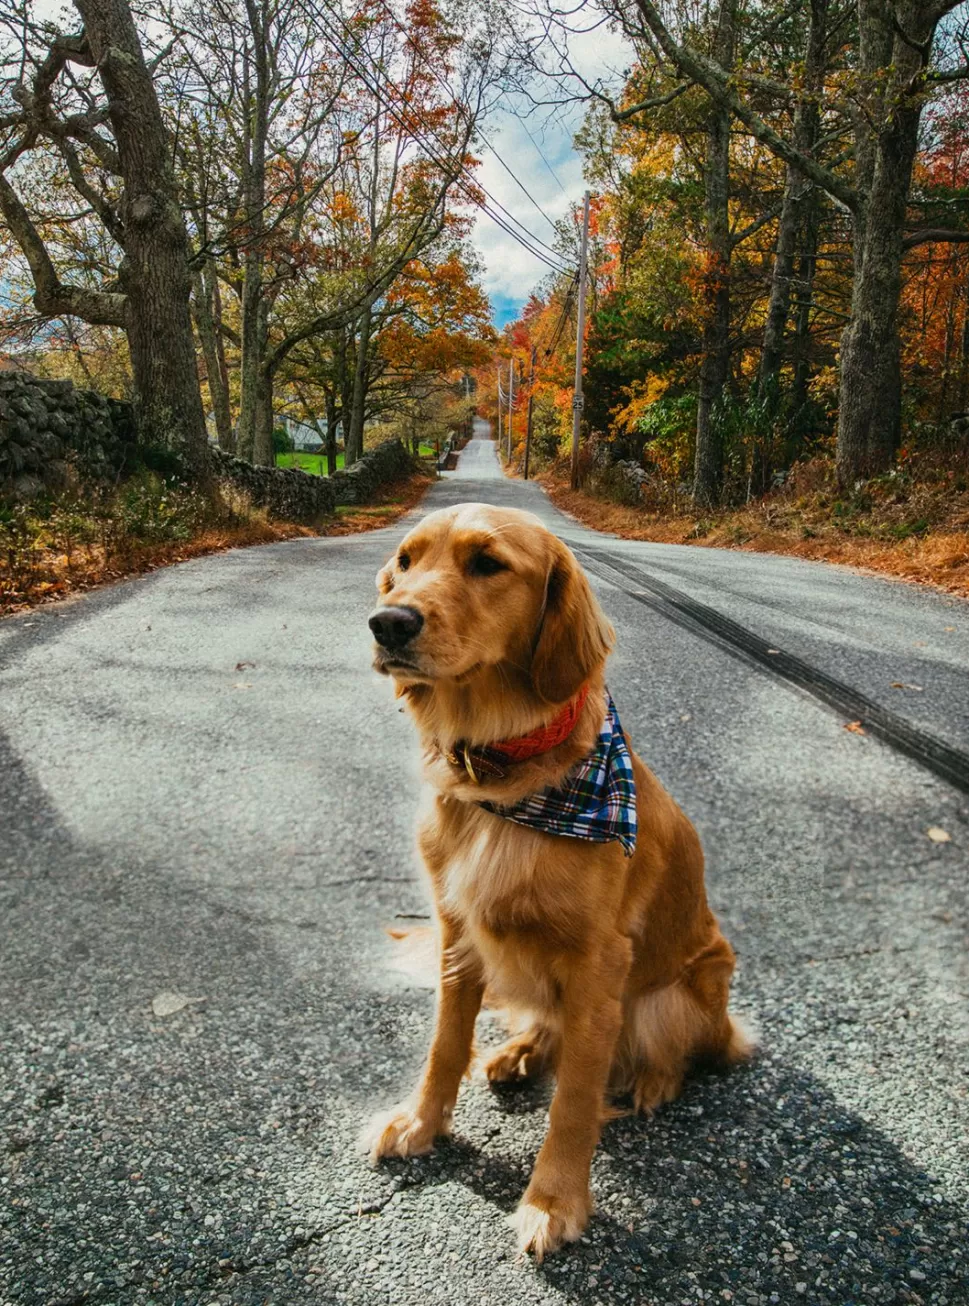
556	182
511	271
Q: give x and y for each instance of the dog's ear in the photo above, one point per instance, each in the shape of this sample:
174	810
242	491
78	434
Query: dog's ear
574	636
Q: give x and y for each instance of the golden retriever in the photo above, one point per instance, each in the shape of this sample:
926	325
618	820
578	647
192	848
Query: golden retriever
613	965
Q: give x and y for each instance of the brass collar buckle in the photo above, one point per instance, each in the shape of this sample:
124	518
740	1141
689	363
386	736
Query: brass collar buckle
475	760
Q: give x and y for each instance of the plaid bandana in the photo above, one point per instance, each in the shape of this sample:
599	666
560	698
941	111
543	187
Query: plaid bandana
597	801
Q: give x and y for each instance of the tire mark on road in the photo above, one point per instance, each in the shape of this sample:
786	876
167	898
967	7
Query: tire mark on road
950	764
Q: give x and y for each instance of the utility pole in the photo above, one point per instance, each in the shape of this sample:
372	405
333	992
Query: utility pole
531	401
498	432
578	399
511	400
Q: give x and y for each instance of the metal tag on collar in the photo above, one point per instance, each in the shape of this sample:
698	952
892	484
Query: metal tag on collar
471	758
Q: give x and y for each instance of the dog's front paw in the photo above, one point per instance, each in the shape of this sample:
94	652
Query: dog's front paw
399	1132
543	1223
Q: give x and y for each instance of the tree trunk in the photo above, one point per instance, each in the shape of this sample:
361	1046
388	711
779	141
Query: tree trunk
208	339
799	196
715	367
220	355
354	436
869	415
806	267
331	420
255	311
896	39
262	451
157	282
778	308
964	355
346	374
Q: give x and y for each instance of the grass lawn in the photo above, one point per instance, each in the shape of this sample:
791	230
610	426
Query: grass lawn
315	463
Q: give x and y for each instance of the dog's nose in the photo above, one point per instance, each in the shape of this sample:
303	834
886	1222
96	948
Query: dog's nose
394	627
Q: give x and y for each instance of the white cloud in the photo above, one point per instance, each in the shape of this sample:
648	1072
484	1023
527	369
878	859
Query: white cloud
511	271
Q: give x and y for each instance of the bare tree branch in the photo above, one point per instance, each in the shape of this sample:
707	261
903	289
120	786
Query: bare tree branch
52	297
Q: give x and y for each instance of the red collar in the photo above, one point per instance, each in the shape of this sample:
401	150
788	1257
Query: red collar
489	759
545	737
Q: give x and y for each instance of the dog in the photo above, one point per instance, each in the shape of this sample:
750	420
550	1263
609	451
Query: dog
592	928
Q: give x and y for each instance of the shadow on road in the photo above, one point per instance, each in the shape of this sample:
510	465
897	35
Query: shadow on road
755	1186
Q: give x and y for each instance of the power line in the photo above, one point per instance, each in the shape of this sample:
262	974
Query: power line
541	155
442	81
529	241
563	317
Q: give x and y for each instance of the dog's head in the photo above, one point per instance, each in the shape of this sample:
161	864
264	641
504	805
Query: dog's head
476	587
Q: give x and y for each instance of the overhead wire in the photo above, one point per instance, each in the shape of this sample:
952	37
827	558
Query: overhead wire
442	81
541	155
529	241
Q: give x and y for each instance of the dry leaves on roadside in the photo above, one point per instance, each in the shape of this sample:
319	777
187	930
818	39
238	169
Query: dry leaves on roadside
938	835
855	727
169	1004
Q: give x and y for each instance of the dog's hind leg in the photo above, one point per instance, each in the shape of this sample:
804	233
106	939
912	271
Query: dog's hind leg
664	1025
684	1022
525	1056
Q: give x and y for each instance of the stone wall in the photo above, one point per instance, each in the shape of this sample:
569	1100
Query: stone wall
389	461
284	492
49	428
295	495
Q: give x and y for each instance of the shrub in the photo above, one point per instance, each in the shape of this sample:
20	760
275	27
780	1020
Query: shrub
282	441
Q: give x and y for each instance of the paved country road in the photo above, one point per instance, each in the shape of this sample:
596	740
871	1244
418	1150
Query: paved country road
206	804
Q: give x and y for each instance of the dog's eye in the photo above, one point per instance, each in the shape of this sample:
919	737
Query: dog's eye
483	564
403	561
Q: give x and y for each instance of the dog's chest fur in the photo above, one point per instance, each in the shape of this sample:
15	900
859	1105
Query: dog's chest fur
517	903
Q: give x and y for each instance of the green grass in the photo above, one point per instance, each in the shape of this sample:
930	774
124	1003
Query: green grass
315	463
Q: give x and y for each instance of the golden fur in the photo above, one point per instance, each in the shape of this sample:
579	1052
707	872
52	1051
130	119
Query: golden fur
615	968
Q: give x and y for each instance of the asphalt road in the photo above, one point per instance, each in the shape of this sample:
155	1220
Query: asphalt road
206	805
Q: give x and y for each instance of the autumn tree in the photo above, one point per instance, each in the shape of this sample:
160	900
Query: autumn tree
893	73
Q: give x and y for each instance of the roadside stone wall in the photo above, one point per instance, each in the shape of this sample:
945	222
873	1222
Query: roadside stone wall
389	461
297	496
46	427
284	492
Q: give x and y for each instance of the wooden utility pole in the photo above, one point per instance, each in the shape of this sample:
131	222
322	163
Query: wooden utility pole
498	432
578	399
531	401
511	400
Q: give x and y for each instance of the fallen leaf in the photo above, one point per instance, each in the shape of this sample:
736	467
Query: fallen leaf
169	1004
241	666
948	627
855	727
938	835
